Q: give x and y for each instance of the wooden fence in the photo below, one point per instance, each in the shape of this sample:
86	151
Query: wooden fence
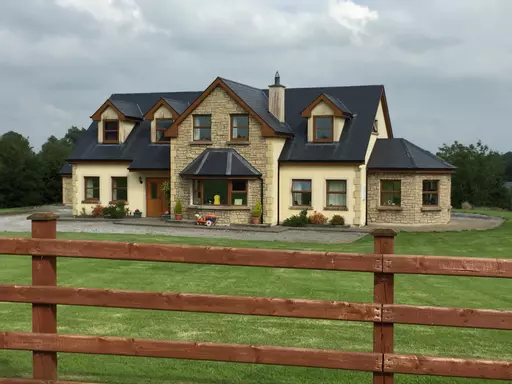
45	295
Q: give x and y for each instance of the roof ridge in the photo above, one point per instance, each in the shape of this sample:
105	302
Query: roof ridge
239	83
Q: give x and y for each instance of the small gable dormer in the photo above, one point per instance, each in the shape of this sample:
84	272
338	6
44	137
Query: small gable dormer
162	115
326	118
116	119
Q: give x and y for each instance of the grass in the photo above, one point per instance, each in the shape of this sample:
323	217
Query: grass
417	290
15	210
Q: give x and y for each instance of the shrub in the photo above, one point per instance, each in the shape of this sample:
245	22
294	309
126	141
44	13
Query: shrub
466	205
337	220
257	210
117	211
97	211
317	218
179	208
300	220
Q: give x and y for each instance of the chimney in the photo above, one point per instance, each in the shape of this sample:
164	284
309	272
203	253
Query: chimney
276	98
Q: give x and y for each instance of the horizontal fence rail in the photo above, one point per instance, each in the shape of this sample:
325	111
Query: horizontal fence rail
45	295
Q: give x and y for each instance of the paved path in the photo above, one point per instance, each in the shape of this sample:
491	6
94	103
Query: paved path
19	223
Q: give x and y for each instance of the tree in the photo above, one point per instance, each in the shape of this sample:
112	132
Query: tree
20	181
73	135
479	176
507	158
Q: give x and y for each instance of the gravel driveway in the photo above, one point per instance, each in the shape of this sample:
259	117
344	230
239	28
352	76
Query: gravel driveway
19	223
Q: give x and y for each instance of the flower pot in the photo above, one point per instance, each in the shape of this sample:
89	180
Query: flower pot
137	214
178	216
255	220
166	217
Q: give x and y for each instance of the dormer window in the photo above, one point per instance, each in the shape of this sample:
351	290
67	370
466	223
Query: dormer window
323	129
161	126
111	131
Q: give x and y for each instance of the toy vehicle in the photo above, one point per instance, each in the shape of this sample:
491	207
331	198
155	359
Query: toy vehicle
207	220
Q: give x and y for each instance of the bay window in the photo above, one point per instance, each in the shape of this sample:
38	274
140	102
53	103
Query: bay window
219	192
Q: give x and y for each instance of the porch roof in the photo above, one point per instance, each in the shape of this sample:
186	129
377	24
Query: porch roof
214	162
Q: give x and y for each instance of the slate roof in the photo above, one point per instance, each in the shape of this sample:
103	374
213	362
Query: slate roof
178	106
219	162
137	149
66	169
127	108
401	154
257	99
362	101
337	102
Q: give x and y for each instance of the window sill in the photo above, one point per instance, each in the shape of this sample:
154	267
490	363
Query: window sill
238	142
91	202
390	208
201	142
335	208
431	209
220	207
301	207
114	202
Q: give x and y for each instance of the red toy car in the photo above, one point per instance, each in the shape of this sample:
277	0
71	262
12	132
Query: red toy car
207	220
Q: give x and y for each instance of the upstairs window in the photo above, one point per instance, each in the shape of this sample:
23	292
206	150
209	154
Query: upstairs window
111	131
202	128
430	192
390	192
323	129
240	127
301	193
161	127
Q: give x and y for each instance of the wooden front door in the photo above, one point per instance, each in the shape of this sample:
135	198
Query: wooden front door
156	202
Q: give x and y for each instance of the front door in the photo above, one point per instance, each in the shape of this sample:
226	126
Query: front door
156	202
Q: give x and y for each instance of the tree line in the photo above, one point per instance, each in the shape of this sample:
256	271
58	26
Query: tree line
480	176
29	178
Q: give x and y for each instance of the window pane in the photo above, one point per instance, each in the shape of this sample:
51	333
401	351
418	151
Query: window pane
323	134
337	199
110	125
111	136
214	188
240	133
163	123
240	121
337	185
120	194
239	198
196	192
120	182
160	136
202	134
239	185
323	123
390	198
301	198
430	199
301	185
391	185
202	121
154	190
430	185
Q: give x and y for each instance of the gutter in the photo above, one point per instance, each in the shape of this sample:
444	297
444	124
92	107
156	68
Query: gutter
261	199
278	191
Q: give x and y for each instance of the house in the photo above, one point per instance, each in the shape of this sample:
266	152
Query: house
329	149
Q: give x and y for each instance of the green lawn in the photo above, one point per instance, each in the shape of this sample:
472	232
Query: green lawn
15	210
420	290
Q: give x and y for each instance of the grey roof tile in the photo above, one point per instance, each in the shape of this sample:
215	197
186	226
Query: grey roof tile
66	169
177	105
404	155
127	108
220	162
337	102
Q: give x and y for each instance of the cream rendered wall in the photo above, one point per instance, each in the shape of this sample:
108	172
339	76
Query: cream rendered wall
318	174
161	113
382	134
324	109
125	127
276	147
105	171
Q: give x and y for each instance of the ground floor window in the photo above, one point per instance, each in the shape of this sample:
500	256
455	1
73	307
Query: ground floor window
336	193
431	192
219	192
92	188
301	193
390	192
119	189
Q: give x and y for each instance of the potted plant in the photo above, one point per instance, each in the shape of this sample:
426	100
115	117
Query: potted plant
166	216
178	210
137	213
256	213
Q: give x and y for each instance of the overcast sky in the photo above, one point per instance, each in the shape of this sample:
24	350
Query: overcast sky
446	64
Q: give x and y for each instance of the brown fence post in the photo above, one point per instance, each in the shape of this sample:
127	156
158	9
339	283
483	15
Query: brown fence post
383	293
44	316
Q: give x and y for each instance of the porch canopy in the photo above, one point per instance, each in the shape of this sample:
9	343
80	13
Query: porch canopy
220	162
